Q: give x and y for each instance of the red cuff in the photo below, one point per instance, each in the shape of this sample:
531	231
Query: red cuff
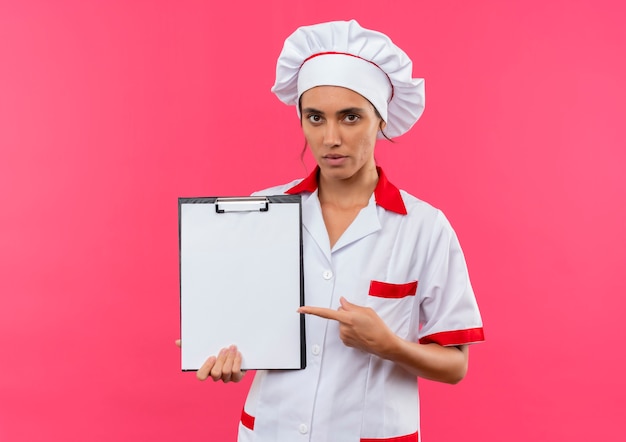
455	337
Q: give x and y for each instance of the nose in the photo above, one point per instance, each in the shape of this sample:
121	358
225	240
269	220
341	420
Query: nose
332	136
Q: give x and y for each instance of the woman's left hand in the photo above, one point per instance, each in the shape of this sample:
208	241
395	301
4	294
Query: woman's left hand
359	327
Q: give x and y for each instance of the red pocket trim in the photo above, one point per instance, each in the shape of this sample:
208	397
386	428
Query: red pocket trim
408	438
388	290
247	420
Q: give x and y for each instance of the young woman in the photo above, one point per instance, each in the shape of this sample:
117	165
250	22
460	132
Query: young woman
388	294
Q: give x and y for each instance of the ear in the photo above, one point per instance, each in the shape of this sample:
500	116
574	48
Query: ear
382	125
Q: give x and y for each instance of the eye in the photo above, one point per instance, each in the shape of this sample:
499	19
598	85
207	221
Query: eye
314	118
351	118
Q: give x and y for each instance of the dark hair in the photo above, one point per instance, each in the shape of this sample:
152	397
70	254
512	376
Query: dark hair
380	128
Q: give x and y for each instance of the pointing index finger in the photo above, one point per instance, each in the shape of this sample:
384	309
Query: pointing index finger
322	312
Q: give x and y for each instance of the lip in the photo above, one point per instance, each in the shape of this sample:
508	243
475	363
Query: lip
334	159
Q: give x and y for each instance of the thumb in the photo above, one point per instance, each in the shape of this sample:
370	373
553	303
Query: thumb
345	304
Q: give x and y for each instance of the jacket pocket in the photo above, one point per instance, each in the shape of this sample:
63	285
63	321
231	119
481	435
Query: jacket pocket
394	304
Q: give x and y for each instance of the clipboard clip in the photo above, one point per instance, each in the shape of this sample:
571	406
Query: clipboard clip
242	204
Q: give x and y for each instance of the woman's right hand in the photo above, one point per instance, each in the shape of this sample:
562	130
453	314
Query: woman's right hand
225	367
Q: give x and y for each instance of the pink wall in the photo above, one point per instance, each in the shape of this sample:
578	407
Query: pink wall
111	110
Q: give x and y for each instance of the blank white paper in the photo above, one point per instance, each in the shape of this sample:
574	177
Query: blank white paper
241	284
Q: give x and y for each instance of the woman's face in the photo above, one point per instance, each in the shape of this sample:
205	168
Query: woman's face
340	127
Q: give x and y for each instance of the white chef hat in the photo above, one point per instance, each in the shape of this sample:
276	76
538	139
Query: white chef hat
342	53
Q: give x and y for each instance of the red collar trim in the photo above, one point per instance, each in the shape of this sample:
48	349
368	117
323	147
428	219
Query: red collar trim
386	194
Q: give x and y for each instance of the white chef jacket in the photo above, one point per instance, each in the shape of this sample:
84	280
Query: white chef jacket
400	257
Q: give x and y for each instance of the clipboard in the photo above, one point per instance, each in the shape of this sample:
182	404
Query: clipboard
241	280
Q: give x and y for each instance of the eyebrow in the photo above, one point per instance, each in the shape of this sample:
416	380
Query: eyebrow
349	110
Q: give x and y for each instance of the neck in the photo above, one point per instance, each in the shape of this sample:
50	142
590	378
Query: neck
349	192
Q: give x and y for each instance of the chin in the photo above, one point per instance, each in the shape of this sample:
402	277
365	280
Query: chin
338	174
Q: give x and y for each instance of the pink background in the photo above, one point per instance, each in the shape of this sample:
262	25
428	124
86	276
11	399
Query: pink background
110	110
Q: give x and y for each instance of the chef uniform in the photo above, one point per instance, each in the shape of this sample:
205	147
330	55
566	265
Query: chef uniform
400	257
